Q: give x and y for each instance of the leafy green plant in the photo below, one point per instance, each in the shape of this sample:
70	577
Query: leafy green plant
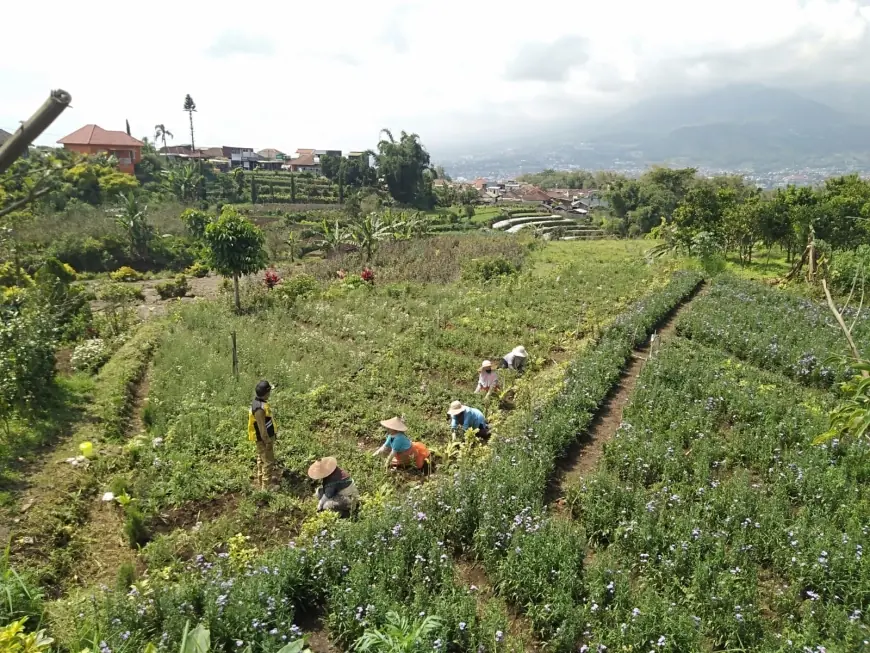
399	634
488	269
13	639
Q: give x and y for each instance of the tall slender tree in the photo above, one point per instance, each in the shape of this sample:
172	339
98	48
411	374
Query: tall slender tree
160	133
190	107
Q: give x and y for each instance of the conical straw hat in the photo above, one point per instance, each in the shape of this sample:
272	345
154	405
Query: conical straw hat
394	424
322	468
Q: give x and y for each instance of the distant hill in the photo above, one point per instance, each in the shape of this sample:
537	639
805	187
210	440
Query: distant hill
744	126
737	126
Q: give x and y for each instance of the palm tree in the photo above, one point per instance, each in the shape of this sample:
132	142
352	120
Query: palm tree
330	237
190	107
160	133
182	181
132	219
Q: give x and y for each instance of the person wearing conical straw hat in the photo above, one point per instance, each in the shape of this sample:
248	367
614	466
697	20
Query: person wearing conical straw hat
399	449
487	379
515	360
464	417
337	491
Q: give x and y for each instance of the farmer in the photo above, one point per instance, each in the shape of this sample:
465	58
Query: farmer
464	418
261	429
487	379
398	449
337	491
515	360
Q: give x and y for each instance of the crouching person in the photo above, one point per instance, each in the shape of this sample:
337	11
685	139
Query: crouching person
398	449
337	491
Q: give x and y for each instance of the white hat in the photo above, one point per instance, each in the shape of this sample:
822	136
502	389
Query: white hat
455	408
484	365
520	351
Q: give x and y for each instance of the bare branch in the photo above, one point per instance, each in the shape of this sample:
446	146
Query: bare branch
860	304
24	201
855	353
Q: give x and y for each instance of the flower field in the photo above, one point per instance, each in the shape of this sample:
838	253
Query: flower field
774	330
401	555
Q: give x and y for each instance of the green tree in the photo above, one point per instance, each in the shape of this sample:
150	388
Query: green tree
254	189
195	221
404	167
330	166
292	187
190	107
236	247
132	219
160	133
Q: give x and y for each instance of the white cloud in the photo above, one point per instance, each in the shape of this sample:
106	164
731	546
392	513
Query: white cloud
332	74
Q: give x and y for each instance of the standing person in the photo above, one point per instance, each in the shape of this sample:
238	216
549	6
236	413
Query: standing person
515	360
261	429
464	418
487	379
337	491
398	449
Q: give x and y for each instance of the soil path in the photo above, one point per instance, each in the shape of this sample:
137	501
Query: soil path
104	547
586	451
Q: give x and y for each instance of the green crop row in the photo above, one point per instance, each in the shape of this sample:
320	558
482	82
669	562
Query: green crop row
774	330
717	524
401	557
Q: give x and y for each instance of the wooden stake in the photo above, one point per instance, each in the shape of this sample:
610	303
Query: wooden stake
235	358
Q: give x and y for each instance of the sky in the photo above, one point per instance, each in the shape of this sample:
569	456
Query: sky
296	74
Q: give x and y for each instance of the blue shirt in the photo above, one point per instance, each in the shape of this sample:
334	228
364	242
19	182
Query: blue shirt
473	419
398	442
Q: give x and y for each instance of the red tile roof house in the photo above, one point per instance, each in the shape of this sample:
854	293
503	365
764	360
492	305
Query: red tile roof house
92	139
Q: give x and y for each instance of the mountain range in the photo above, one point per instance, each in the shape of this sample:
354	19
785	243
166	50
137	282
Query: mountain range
745	127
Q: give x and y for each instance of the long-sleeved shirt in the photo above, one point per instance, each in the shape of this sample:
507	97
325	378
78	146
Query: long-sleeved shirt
472	419
336	482
487	380
514	362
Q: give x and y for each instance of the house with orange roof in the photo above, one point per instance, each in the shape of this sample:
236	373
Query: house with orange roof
93	139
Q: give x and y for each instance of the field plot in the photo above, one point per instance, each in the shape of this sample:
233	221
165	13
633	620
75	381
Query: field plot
773	329
345	358
400	554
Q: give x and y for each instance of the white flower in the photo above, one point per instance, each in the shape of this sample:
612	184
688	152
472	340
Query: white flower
109	496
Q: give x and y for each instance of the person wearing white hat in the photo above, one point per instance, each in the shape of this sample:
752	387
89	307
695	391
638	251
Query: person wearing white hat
515	360
487	379
337	491
465	417
399	449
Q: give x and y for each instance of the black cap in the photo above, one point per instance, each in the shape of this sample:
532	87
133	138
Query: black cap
263	388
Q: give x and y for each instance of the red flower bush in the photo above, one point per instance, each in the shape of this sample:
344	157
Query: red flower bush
271	279
367	275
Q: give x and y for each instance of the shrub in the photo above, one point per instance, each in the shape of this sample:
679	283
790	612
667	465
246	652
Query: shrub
126	577
53	269
134	527
271	279
293	288
178	287
846	264
198	270
488	268
125	273
90	355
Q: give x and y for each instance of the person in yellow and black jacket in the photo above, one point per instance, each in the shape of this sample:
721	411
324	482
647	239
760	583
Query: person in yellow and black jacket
262	431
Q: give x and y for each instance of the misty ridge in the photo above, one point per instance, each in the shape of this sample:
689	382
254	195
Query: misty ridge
741	127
